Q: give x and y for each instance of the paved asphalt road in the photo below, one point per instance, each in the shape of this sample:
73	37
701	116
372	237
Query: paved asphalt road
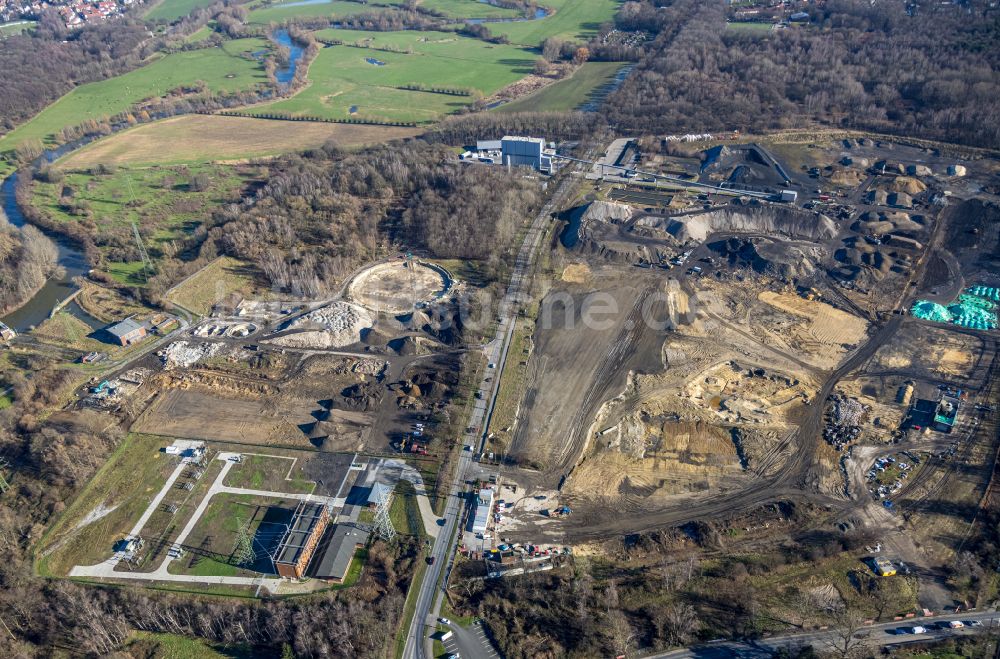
418	643
877	636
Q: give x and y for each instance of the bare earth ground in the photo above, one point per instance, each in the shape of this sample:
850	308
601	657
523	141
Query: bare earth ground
202	415
395	287
200	138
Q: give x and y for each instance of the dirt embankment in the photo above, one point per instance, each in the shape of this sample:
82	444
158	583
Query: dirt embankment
769	220
650	458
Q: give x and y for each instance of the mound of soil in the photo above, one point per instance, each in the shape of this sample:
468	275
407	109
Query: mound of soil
846	178
764	256
907	184
761	219
607	211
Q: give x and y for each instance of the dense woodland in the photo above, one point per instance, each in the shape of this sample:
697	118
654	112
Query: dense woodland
323	214
27	258
41	66
932	74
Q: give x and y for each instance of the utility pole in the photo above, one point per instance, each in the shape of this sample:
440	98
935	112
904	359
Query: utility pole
383	524
243	551
4	484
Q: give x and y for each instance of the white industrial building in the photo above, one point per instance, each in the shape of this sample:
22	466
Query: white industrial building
484	507
525	152
514	151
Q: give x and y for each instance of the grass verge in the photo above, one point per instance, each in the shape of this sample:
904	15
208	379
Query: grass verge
569	93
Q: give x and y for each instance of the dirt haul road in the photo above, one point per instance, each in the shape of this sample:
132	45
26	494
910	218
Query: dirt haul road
581	365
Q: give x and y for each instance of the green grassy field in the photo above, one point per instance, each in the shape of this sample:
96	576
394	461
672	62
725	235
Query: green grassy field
169	10
341	77
202	33
225	69
574	20
220	278
292	9
284	11
404	511
16	27
750	28
165	206
216	532
126	483
69	331
569	93
171	646
200	138
262	472
468	9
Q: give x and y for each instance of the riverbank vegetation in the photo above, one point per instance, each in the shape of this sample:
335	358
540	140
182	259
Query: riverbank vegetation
368	76
27	259
168	204
188	75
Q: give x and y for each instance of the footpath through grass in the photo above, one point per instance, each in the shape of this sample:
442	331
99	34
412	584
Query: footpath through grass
16	27
227	69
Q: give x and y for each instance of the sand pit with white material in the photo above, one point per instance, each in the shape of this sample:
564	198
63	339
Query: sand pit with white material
397	287
334	326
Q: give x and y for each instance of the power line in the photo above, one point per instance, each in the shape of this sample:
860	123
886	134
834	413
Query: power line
243	552
147	264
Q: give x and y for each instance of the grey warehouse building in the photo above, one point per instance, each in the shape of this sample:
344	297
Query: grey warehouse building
339	552
525	152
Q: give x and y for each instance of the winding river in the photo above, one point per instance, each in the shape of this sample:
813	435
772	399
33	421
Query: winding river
295	52
72	261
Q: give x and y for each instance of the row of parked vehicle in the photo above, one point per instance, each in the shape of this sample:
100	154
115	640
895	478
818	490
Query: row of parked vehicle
929	627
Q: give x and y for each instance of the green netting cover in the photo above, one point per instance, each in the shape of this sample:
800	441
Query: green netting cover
976	301
988	292
927	310
973	316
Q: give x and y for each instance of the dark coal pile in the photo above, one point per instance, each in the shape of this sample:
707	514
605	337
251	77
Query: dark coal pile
764	257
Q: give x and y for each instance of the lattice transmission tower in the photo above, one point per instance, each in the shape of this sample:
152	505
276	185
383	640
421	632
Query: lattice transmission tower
383	524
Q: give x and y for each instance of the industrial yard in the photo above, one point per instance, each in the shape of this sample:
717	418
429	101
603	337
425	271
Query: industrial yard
722	345
763	343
